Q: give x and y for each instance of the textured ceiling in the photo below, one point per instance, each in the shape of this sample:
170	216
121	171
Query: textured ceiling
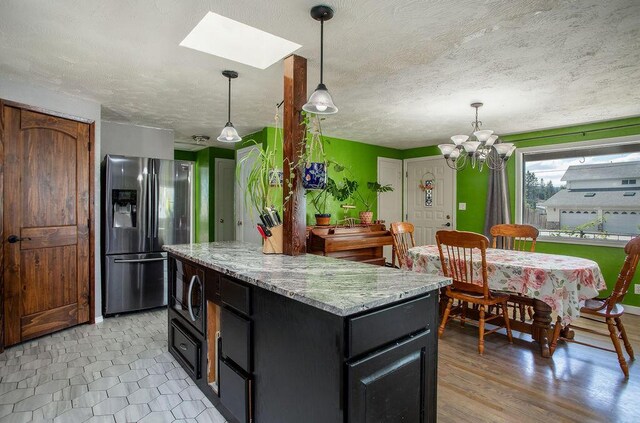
402	72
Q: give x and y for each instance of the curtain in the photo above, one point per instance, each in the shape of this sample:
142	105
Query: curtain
497	209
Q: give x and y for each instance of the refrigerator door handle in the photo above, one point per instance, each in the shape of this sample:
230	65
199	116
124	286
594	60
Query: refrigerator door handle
149	228
140	260
156	201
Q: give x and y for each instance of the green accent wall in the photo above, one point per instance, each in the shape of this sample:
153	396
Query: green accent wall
472	189
204	202
361	160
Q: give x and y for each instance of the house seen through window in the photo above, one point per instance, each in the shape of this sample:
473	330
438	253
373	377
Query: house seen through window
586	193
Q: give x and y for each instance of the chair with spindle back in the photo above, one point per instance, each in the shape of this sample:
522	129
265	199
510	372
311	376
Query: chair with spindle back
608	311
515	237
457	250
402	233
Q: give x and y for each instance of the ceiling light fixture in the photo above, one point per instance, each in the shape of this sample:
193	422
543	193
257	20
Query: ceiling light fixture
229	133
477	148
200	139
320	101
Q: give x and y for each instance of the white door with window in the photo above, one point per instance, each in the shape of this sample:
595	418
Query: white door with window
225	181
431	207
245	220
390	203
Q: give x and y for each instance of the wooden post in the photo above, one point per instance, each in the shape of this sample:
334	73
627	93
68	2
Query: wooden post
295	211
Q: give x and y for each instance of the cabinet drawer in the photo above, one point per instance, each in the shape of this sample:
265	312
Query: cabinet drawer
236	338
235	392
186	348
235	295
383	326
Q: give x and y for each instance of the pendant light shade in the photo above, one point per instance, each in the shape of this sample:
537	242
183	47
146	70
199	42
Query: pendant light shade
320	102
229	133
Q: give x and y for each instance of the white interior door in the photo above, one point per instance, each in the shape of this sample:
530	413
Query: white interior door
429	215
224	193
390	203
244	219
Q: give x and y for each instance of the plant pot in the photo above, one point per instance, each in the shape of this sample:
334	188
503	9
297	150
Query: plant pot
323	219
366	217
315	175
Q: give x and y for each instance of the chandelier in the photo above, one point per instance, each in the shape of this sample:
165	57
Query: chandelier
481	148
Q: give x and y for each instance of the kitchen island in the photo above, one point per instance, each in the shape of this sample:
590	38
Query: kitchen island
275	338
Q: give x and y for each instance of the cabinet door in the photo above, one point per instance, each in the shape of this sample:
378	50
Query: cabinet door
235	392
236	338
391	385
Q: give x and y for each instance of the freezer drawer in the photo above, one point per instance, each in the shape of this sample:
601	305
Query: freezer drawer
135	282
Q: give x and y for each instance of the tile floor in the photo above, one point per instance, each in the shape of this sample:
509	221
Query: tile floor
116	371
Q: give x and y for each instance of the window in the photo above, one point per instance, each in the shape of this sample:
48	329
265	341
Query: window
575	193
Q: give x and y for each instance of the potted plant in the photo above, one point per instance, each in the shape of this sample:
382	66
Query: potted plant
263	184
375	189
312	160
339	192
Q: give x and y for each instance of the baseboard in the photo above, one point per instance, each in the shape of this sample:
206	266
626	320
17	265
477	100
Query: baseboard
631	309
99	319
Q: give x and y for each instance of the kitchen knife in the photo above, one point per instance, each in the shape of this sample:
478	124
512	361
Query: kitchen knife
261	231
266	231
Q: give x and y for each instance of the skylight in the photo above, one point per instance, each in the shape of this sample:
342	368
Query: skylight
233	40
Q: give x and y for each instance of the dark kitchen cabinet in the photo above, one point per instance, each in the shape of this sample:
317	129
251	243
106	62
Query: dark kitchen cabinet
390	385
276	359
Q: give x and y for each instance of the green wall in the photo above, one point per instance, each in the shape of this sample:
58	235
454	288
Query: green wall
360	160
205	187
472	189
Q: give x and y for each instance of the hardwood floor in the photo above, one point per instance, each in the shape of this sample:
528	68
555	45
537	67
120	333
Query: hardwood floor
513	383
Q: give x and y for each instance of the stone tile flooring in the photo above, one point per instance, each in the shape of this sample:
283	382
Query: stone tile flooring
116	371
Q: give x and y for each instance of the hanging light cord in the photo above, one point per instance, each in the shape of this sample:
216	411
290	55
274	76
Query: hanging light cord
229	103
321	47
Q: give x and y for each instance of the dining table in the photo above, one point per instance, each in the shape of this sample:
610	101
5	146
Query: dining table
555	285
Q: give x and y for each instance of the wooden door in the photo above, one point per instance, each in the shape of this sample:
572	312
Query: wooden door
429	211
46	221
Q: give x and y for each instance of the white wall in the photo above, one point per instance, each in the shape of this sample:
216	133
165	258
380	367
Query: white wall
138	141
58	102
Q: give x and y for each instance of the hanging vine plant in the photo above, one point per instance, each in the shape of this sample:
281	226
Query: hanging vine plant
313	160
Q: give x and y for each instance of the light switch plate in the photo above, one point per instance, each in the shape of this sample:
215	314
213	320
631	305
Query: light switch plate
462	206
636	288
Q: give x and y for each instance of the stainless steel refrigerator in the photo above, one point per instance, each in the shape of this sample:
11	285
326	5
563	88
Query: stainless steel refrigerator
147	203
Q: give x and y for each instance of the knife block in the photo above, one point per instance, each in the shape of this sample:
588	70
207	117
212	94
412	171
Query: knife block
273	244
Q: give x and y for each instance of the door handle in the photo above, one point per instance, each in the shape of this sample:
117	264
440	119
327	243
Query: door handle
221	220
239	222
447	224
15	238
139	260
194	279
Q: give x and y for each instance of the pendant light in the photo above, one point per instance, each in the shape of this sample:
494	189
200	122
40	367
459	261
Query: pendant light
229	133
320	101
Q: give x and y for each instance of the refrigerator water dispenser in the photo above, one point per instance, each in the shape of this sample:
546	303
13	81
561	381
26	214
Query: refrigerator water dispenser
124	208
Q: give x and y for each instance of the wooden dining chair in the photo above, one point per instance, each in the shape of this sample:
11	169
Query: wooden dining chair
402	234
515	237
457	252
608	311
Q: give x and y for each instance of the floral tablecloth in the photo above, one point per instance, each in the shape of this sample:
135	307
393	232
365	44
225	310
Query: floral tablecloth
562	282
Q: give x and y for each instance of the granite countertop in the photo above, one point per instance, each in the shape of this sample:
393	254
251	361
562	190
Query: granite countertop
339	287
